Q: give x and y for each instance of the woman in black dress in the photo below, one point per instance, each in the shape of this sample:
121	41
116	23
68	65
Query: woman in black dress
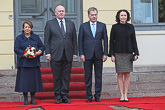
123	46
28	74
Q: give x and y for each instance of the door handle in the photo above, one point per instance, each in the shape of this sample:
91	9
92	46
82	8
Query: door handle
45	9
51	10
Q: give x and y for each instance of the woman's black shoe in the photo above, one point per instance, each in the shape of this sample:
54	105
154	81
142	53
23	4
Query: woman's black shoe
57	101
89	100
122	100
26	103
126	100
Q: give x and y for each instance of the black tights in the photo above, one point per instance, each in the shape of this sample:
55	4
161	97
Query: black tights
25	94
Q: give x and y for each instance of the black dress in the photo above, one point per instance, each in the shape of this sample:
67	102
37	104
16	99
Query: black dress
28	74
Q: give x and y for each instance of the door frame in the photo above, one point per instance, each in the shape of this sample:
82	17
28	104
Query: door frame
78	9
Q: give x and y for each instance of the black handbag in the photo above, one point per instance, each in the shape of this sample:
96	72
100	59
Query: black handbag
133	57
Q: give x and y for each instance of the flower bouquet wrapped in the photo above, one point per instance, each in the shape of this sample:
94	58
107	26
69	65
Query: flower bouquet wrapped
30	52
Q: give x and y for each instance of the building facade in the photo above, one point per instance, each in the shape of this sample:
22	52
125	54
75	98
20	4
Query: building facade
147	16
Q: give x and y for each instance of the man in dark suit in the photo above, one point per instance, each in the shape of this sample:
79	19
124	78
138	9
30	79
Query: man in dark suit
91	35
60	48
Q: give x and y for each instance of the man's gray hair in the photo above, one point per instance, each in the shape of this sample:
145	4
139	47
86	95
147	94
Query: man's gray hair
57	7
92	9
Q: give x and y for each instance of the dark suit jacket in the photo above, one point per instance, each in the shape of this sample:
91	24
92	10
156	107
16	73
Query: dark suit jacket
88	44
123	39
55	42
21	43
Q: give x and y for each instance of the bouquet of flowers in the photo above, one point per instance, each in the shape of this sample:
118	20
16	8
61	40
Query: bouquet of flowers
30	52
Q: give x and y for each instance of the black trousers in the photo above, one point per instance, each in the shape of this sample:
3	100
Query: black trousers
61	77
98	65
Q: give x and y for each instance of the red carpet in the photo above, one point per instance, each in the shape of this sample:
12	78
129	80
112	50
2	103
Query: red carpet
147	103
78	107
76	88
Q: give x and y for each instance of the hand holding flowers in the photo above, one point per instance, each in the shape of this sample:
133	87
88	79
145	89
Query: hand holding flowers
38	53
30	52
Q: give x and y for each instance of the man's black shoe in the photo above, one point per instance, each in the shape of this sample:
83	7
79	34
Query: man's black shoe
97	100
57	101
66	101
33	102
89	100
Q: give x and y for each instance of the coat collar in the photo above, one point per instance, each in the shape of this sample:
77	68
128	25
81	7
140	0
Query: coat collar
24	38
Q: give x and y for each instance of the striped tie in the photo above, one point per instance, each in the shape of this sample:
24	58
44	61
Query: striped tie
62	28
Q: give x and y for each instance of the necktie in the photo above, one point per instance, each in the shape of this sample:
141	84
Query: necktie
62	27
93	30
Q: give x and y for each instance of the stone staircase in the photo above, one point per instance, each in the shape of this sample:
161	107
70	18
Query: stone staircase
145	81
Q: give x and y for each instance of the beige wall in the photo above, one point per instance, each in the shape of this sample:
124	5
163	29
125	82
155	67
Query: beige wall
106	13
151	47
6	35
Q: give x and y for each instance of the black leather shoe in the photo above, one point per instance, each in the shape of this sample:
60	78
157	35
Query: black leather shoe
57	101
126	100
89	100
66	101
33	102
97	100
26	103
122	100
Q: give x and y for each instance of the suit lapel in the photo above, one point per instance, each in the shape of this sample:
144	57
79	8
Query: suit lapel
57	25
89	28
97	28
67	26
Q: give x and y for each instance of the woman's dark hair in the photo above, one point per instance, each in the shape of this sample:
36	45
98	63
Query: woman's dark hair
118	15
27	22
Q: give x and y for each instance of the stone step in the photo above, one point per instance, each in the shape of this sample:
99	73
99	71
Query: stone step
116	94
74	64
134	77
134	86
108	87
139	68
